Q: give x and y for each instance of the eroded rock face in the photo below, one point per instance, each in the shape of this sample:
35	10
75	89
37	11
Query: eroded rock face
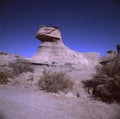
6	58
48	34
108	56
53	51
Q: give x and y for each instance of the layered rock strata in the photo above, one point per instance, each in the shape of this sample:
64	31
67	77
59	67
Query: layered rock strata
53	51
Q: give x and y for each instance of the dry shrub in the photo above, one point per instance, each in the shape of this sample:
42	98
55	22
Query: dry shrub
105	84
54	81
20	66
4	75
14	69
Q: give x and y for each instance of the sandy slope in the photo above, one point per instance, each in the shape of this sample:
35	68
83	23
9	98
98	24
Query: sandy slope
25	103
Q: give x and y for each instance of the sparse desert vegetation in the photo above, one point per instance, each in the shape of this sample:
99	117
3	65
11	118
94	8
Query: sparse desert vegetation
105	84
55	81
14	69
4	75
20	66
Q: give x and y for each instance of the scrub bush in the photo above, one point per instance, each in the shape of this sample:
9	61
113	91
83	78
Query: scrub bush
54	81
105	84
20	66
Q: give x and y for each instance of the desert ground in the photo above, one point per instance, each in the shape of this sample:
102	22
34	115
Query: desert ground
22	102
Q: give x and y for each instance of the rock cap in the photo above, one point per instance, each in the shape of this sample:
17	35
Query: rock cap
45	33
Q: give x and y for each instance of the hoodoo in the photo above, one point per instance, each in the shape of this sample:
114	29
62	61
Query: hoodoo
52	50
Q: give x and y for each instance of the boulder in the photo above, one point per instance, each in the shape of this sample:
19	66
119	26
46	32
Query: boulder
48	33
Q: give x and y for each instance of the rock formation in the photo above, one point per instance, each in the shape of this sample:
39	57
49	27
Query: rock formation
118	48
53	51
108	56
6	58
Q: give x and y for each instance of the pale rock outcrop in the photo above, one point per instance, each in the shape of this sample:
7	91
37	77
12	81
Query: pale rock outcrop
6	58
53	51
48	33
108	56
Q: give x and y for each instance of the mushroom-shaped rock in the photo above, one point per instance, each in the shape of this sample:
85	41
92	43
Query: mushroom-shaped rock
53	51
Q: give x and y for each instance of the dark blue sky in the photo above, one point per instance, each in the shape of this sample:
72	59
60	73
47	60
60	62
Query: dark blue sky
86	25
